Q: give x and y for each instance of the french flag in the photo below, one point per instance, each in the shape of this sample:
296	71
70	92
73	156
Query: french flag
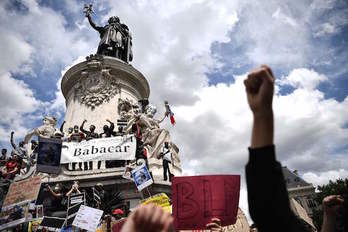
170	113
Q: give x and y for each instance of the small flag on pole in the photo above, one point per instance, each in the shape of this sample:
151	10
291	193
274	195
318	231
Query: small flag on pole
169	113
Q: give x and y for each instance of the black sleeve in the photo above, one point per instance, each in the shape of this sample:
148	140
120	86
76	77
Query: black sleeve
267	194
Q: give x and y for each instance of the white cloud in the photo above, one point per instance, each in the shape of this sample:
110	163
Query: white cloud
324	177
14	51
303	78
17	101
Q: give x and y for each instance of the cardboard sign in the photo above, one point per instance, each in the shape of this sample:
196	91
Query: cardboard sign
48	159
22	191
142	177
160	199
114	148
197	199
87	218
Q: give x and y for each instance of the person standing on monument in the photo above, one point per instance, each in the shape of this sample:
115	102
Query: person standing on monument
167	159
108	131
91	134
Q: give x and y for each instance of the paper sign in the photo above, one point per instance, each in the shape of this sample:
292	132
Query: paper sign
22	191
87	218
142	177
197	199
48	159
160	199
114	148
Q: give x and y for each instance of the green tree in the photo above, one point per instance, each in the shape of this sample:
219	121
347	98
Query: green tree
339	187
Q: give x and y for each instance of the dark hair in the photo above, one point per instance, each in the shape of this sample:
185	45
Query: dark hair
4	150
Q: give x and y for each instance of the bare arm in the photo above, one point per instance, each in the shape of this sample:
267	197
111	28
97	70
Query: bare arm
95	27
260	87
53	193
112	125
62	127
13	171
81	127
12	142
70	192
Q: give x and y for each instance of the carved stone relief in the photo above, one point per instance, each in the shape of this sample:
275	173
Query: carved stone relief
96	86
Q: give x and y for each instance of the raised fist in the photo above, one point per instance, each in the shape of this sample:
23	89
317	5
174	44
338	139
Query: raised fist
260	88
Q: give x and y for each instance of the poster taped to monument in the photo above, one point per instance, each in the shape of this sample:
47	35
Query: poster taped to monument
113	148
142	177
22	191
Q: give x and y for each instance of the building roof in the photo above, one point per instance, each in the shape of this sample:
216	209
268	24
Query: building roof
293	180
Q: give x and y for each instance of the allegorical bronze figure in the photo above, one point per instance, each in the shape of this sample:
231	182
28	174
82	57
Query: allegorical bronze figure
115	38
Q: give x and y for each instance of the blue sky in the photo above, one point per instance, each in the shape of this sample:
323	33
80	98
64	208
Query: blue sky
195	54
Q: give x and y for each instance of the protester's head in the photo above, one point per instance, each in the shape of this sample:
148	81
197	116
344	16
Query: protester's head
21	144
91	128
76	129
166	144
117	213
76	184
99	187
70	130
105	128
58	188
14	156
4	151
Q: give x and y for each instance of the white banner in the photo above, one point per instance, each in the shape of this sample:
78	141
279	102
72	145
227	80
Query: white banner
113	148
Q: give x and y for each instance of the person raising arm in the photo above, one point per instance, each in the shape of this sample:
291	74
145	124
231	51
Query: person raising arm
267	195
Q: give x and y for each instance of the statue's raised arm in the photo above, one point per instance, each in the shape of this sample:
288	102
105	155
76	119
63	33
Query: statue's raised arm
88	11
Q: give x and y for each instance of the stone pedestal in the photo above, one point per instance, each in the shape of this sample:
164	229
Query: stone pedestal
92	89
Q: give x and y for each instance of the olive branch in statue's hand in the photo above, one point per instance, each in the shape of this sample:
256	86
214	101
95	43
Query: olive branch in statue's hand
87	9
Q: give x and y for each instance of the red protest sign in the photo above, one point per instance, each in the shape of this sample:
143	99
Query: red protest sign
198	199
